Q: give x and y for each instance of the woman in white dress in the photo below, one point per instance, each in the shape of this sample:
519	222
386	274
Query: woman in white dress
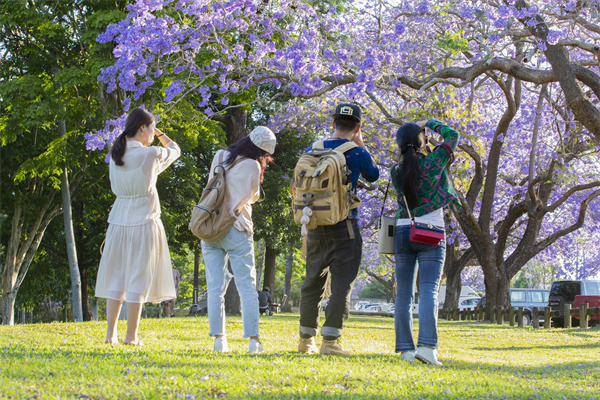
136	266
246	161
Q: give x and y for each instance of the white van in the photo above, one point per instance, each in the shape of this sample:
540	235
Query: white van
466	293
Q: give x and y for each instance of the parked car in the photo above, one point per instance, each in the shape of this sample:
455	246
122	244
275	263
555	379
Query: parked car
371	308
592	301
465	292
468	303
361	305
381	307
367	306
526	298
564	292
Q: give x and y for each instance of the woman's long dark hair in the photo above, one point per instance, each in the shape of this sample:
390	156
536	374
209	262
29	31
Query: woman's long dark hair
411	142
244	147
135	120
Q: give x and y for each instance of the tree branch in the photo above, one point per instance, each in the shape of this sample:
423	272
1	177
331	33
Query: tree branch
568	194
578	224
491	175
477	181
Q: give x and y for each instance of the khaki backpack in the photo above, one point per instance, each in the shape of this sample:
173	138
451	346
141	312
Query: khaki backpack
211	218
321	187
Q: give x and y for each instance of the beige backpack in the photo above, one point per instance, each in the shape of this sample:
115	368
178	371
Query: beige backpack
211	218
321	187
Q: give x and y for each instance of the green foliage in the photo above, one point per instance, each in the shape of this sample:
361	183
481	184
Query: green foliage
481	361
180	186
185	265
454	42
298	275
48	75
535	275
373	290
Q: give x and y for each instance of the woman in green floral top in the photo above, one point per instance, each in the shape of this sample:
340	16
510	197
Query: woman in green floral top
423	180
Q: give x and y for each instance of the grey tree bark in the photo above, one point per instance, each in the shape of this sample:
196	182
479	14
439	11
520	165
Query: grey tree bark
289	268
259	256
22	246
76	303
454	264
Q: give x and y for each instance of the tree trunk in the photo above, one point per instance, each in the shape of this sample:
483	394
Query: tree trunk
453	287
453	281
21	249
289	266
269	279
94	308
454	265
259	263
83	269
497	288
85	295
235	124
8	307
390	290
70	239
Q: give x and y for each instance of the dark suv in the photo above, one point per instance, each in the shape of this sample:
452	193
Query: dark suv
528	299
564	292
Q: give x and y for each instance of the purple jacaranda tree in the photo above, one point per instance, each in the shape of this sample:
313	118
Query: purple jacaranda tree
518	81
575	256
473	276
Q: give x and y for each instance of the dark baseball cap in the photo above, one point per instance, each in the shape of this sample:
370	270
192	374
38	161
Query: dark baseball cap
347	111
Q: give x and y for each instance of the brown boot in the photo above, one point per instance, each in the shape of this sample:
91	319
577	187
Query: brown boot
308	346
333	347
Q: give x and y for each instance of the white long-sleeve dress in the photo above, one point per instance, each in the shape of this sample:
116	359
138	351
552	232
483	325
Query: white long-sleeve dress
136	264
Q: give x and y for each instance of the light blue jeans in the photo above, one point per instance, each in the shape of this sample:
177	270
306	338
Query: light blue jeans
238	248
429	259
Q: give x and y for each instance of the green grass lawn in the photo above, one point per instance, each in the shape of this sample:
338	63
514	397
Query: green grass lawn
481	361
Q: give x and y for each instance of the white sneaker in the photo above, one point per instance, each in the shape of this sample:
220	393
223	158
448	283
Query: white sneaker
427	355
220	345
254	346
407	356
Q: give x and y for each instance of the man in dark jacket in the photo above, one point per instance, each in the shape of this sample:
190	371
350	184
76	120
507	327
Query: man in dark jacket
335	249
264	301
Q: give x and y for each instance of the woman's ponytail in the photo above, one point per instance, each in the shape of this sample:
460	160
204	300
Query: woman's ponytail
410	175
410	141
135	120
118	149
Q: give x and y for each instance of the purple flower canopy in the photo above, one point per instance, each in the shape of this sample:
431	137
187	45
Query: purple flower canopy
399	63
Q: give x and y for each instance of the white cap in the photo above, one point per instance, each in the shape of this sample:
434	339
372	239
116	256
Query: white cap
263	138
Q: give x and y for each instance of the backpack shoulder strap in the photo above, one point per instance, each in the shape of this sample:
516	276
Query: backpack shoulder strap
319	144
345	147
221	158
